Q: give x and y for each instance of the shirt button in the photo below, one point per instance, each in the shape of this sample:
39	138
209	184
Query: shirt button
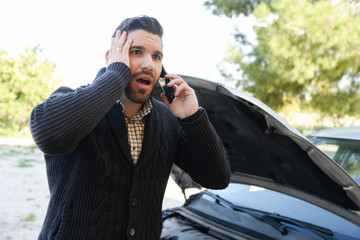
134	202
132	232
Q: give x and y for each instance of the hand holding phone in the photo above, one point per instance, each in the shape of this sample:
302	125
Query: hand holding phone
169	91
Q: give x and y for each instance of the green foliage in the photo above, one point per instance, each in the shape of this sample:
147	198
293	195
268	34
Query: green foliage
25	81
305	49
24	163
338	103
30	218
232	8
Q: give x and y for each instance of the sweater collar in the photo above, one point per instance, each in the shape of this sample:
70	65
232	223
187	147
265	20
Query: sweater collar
145	110
151	133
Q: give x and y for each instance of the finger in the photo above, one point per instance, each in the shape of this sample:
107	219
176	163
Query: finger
117	35
116	39
172	76
121	41
176	81
178	89
127	45
111	49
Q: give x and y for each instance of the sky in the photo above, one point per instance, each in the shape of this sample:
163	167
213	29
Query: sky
75	34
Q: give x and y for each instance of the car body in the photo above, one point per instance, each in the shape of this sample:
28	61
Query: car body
342	144
282	186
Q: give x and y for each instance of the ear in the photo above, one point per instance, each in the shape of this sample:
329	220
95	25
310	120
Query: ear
106	57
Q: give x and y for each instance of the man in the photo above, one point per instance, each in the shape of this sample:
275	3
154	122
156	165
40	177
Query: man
109	147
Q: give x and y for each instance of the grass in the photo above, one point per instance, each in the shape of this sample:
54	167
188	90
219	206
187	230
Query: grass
23	155
11	152
23	163
30	217
32	148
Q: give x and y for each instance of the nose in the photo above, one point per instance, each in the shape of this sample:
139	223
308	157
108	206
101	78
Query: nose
147	63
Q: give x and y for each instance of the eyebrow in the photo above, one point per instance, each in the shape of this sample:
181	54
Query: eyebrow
158	52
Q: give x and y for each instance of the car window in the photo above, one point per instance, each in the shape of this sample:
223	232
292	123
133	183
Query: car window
351	162
343	151
329	149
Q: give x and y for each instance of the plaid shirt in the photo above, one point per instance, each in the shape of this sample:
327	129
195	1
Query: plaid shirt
135	126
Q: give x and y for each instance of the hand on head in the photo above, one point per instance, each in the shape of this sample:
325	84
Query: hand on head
119	49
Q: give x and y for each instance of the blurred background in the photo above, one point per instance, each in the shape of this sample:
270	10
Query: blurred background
300	57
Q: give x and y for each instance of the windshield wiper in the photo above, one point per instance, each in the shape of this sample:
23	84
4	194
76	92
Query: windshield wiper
273	219
320	231
253	212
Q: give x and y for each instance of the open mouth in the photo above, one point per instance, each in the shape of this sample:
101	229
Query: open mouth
143	81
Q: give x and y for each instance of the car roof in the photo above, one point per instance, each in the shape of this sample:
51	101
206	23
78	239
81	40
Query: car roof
349	133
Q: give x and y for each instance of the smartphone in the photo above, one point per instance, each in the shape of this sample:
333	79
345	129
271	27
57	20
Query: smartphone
169	91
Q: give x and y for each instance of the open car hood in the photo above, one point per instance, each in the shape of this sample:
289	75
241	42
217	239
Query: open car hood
266	151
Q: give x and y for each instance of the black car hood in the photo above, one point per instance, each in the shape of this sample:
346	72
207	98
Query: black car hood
266	151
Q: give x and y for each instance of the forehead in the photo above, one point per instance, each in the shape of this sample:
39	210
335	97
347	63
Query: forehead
145	39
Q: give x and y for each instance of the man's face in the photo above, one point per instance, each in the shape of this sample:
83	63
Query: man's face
145	56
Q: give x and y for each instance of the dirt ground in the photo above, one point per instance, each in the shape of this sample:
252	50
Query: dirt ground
25	195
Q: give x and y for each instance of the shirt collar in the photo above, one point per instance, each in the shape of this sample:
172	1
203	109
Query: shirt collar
145	110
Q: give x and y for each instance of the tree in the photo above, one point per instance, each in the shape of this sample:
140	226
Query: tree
304	49
232	8
25	81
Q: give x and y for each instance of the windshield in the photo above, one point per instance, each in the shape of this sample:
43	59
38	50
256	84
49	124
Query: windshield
274	202
343	151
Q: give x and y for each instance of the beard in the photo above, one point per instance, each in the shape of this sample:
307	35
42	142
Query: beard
140	96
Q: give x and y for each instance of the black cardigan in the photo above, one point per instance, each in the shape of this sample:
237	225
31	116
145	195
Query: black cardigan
96	191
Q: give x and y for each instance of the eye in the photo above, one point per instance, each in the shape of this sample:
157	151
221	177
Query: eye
136	52
157	57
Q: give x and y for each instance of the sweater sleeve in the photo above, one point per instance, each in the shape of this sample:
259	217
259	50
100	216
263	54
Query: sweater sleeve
201	153
60	122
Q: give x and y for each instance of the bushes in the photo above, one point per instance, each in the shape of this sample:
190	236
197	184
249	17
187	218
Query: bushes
25	81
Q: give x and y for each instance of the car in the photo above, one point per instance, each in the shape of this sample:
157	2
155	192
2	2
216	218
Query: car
342	144
282	186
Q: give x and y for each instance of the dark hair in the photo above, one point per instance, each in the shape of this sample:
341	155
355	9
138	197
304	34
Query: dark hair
145	23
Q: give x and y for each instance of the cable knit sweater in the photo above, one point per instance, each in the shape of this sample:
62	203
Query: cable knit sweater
96	192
